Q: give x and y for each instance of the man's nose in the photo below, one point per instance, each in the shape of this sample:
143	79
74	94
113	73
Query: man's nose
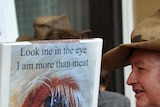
132	79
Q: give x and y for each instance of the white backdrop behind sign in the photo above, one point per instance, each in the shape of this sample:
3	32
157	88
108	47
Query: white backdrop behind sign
8	21
127	19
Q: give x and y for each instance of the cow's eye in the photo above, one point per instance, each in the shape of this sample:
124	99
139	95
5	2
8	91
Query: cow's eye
55	101
55	93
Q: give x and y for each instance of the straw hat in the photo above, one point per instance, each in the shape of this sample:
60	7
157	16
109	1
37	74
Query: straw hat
146	35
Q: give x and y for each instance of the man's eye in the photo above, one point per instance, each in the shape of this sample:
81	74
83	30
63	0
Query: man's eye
141	69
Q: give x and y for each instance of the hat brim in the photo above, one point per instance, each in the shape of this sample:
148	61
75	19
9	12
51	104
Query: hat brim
24	38
119	56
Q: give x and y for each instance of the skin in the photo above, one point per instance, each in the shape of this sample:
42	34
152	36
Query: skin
145	77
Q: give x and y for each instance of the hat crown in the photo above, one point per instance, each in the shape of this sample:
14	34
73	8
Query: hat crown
148	29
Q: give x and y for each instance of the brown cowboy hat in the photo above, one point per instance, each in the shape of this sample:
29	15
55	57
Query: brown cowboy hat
44	24
146	35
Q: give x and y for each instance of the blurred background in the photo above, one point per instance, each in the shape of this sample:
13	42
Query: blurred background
112	20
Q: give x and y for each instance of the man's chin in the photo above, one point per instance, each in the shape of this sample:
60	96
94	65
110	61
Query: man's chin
141	101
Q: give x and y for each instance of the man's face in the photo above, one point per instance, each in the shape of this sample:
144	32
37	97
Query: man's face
145	77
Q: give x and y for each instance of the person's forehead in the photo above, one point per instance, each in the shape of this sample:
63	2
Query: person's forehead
147	54
145	58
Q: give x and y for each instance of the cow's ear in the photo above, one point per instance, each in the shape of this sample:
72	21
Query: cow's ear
86	33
